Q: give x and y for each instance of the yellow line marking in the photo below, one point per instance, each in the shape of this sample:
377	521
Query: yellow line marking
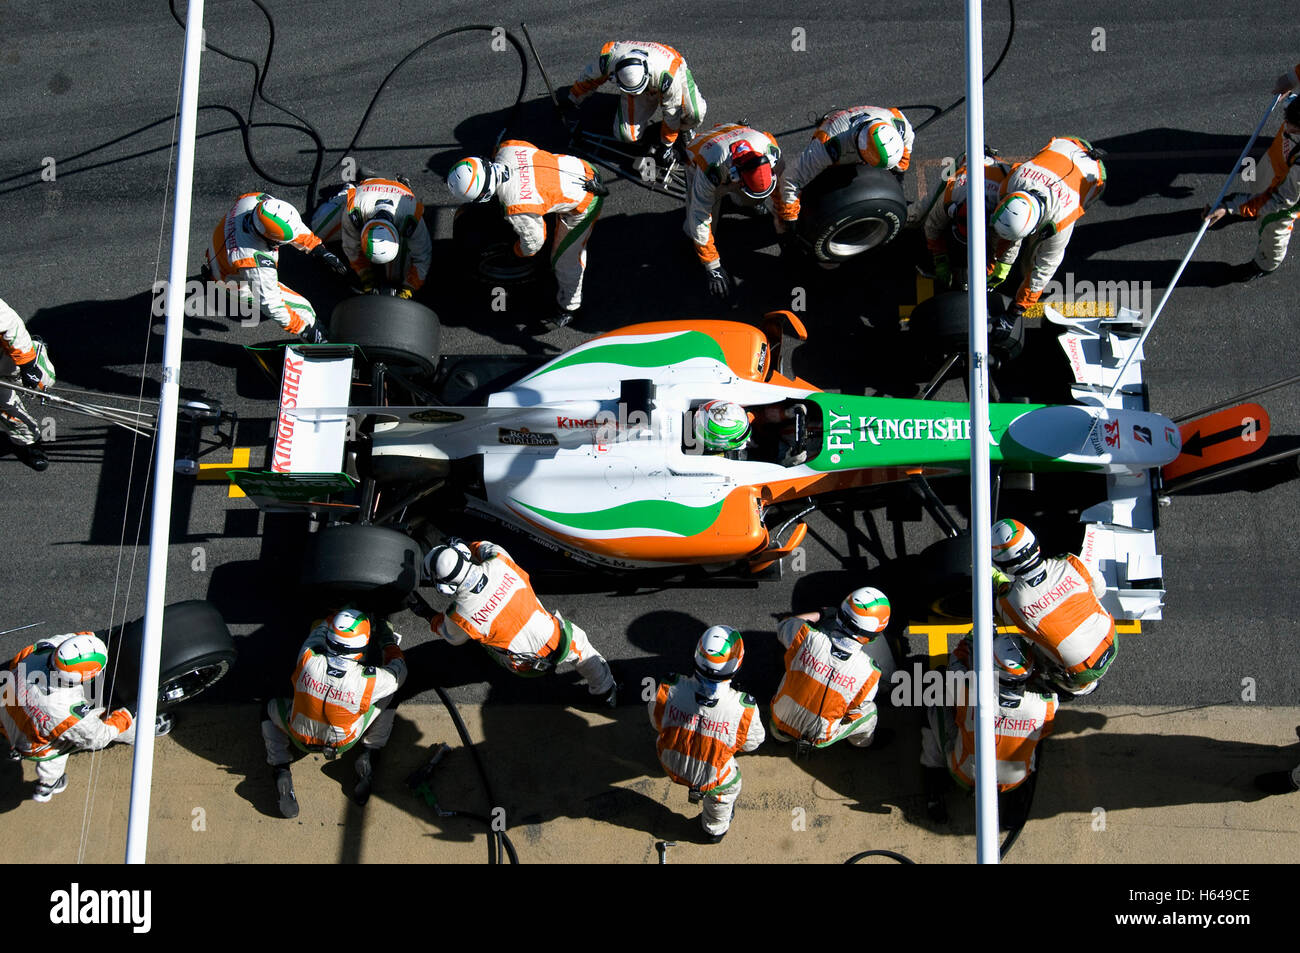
937	636
213	472
1075	309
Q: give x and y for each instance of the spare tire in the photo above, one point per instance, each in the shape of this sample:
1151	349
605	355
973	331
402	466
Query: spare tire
394	330
197	651
487	241
372	567
848	210
942	327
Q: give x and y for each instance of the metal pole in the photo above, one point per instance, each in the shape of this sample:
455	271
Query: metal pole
986	788
1199	235
137	830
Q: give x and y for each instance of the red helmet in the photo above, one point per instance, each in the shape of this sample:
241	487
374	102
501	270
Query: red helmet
754	169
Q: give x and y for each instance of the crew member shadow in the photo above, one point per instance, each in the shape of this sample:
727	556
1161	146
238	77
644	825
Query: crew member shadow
1086	763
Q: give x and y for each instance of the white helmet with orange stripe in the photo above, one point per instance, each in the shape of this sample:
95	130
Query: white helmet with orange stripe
379	239
1015	550
864	613
879	144
474	180
1012	665
1018	216
719	654
347	634
276	220
79	658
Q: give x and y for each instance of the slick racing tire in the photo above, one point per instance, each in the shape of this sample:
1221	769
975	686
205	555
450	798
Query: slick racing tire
848	210
487	242
943	577
197	651
942	327
393	330
371	567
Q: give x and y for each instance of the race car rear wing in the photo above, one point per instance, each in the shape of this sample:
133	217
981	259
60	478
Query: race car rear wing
1120	538
306	451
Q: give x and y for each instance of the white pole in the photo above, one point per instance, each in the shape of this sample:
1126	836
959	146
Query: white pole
986	789
137	830
1196	241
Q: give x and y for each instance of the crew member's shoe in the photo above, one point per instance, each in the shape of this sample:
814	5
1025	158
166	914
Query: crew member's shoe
45	791
33	455
366	765
288	800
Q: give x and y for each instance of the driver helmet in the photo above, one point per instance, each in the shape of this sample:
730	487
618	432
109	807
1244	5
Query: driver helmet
721	426
1015	550
863	613
347	634
276	220
474	180
879	144
632	72
1018	216
379	239
79	658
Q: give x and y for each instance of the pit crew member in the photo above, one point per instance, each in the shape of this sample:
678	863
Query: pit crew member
1024	718
869	135
649	76
1038	204
945	223
1277	204
729	159
48	713
338	700
831	675
495	606
703	723
380	223
33	369
245	248
1054	601
531	184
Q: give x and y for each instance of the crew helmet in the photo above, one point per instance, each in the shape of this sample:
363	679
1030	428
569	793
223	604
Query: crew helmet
380	242
348	633
276	220
1015	549
863	613
719	654
632	72
754	170
79	658
452	568
879	144
474	180
1018	216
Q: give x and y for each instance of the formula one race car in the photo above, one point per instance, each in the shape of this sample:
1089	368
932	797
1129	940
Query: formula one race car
592	453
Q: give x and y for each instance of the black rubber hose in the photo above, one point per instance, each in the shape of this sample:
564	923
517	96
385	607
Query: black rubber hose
259	81
1006	48
900	858
493	848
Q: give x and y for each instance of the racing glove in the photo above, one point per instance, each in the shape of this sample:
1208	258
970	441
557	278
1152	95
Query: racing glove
32	376
366	282
406	293
998	274
942	269
312	334
719	283
330	260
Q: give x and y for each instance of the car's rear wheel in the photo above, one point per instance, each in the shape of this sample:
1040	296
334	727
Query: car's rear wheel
372	567
396	331
197	651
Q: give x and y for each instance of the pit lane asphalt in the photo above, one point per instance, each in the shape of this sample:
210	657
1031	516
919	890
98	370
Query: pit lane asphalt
96	91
